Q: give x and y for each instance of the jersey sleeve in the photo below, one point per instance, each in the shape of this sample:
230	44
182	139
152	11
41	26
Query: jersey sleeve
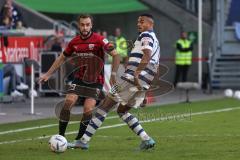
69	49
146	41
106	45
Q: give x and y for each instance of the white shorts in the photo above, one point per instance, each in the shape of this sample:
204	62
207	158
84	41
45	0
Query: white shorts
127	94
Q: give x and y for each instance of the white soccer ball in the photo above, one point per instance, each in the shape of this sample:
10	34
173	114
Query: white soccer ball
58	143
228	93
236	94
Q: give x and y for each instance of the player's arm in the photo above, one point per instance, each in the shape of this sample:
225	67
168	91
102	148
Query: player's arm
147	47
56	64
142	65
109	48
115	62
145	60
115	65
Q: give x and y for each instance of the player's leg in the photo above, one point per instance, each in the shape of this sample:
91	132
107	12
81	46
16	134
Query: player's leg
96	121
135	126
69	102
89	105
114	96
133	123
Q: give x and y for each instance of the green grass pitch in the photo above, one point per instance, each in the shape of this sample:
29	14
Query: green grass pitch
208	131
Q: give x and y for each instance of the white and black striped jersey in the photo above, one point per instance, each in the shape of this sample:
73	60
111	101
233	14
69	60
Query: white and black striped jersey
145	40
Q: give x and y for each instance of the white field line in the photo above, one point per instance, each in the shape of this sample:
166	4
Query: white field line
123	124
43	126
112	117
178	136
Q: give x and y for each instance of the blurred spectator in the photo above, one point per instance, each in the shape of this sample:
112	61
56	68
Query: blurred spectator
19	25
57	45
183	59
6	22
104	34
6	18
15	80
109	37
11	11
121	46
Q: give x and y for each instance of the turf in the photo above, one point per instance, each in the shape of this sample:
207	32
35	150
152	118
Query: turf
190	137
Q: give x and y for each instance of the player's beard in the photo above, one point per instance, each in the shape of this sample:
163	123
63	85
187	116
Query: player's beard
139	29
85	35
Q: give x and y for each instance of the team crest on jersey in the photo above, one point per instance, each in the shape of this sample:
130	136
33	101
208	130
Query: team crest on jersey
91	46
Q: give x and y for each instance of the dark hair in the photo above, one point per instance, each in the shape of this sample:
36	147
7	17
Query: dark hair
85	16
147	15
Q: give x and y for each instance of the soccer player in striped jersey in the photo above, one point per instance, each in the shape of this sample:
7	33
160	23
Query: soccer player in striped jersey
88	50
131	87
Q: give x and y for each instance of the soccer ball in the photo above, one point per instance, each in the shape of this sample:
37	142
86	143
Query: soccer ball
228	92
58	143
237	95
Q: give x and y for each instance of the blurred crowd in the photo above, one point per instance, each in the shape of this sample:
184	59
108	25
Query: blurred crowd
10	16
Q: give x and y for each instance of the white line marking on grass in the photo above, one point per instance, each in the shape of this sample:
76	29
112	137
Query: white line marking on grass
102	136
177	136
124	124
48	136
191	114
43	126
112	117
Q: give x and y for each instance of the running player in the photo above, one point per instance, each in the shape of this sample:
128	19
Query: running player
131	87
89	48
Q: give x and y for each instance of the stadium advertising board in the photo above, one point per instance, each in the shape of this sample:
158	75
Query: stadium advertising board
15	49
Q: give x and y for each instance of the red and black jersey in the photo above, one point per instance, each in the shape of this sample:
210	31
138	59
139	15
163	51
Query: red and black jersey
88	57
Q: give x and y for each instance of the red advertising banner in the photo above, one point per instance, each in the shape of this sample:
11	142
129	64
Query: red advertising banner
14	49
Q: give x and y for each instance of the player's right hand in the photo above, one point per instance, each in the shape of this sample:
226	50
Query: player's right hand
43	78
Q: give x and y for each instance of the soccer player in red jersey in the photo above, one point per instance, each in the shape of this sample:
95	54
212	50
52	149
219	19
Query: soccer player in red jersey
89	48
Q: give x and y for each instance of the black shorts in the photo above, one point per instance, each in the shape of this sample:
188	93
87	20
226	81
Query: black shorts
81	99
90	85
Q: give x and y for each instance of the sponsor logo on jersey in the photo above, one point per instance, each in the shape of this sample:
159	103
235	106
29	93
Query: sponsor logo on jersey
145	41
83	54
